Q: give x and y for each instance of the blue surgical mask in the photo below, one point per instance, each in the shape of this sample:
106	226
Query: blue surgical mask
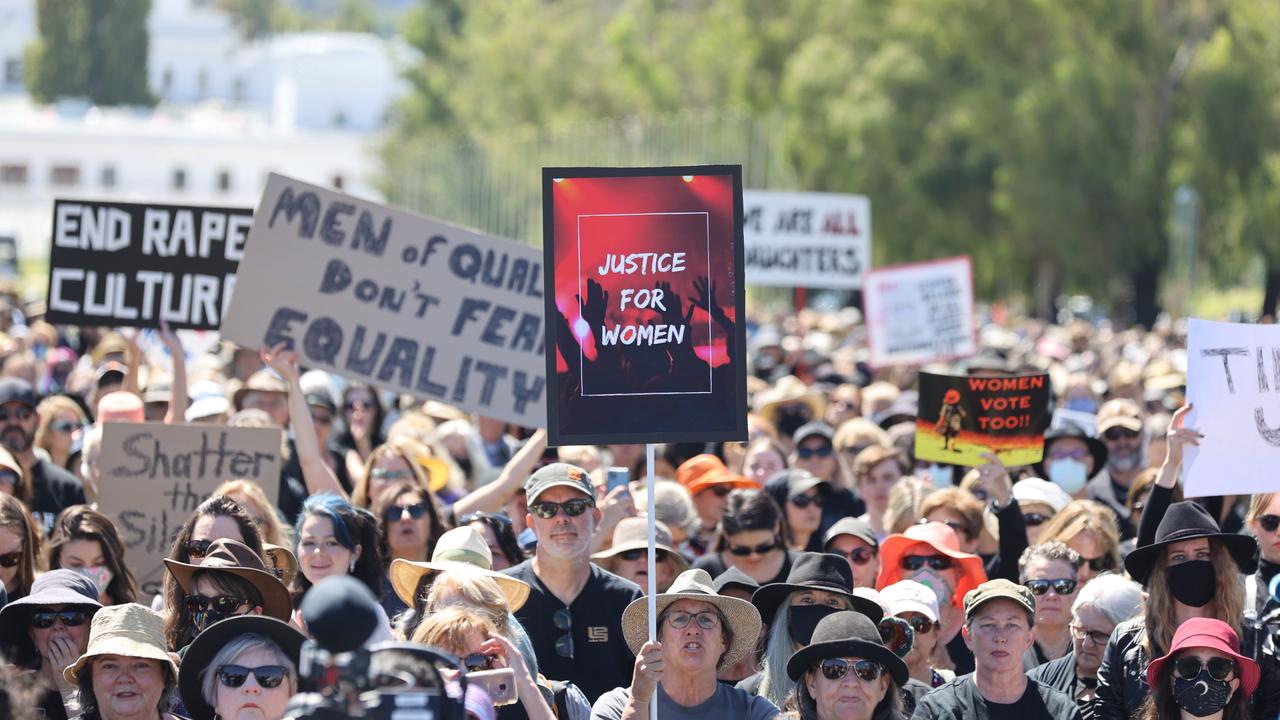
1068	474
941	475
1082	404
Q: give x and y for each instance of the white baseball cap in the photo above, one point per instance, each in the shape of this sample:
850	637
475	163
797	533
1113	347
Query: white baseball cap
910	596
1043	492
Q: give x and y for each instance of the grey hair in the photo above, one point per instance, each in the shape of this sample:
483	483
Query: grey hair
673	506
775	684
89	702
234	649
1049	551
1115	596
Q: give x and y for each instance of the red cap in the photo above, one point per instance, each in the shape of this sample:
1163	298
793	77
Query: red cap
1210	634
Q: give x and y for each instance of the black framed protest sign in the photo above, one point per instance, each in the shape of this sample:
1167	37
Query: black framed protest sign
128	264
645	306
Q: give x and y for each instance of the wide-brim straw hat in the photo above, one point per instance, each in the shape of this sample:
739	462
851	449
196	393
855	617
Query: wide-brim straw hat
265	381
790	389
236	558
461	549
201	651
128	630
743	618
632	533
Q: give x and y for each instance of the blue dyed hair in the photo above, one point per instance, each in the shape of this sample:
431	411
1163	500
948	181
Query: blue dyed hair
333	507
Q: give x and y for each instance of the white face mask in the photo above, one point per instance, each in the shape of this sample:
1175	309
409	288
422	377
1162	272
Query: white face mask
1068	474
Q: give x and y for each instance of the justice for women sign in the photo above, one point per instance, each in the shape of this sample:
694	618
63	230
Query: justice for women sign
134	265
645	310
1233	385
390	298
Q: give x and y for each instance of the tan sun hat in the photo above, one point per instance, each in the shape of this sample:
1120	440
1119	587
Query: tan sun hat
235	558
459	549
742	616
632	533
128	630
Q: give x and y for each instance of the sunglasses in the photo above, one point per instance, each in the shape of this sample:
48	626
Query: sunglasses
807	453
64	426
837	668
572	508
563	621
1061	586
11	559
21	414
396	512
485	517
1220	668
804	501
921	624
268	676
957	527
223	604
1270	523
1034	519
357	405
475	662
1097	637
391	475
1102	563
707	620
44	619
915	562
197	548
857	556
639	554
720	491
744	551
1119	434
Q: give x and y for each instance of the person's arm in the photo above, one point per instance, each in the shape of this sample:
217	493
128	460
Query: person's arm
1013	541
493	496
1177	438
531	699
315	473
177	413
133	361
644	681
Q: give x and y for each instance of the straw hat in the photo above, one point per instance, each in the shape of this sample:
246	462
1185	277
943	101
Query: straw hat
460	549
130	630
284	564
236	558
264	381
632	533
790	389
696	584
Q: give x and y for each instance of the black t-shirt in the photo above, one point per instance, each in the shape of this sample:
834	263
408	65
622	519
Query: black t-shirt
961	700
53	490
601	659
715	567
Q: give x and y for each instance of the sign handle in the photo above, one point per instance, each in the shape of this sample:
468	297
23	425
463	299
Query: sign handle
651	520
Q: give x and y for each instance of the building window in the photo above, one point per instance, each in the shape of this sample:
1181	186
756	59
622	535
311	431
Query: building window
15	174
224	180
179	179
338	182
12	71
108	176
64	175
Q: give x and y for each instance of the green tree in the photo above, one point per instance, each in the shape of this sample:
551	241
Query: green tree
95	49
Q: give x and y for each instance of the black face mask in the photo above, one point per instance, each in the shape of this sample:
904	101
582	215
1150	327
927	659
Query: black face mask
202	620
1193	583
1201	695
790	419
805	618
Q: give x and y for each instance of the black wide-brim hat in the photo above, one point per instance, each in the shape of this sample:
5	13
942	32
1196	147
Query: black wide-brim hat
1097	448
201	651
846	634
1186	520
815	571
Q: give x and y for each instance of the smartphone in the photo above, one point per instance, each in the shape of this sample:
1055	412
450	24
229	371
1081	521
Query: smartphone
618	477
499	684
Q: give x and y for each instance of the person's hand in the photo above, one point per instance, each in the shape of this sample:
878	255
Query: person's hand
61	652
170	340
133	341
1178	437
283	361
596	306
502	648
995	478
648	671
617	504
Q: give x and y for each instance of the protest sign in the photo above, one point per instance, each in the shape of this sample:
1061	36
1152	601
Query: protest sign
817	240
920	312
154	475
646	310
1233	386
134	265
1086	421
404	302
961	417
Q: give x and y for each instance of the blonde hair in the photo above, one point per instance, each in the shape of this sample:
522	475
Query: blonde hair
868	459
471	590
962	502
1086	516
905	501
273	531
1229	599
452	627
1258	506
859	432
414	425
48	409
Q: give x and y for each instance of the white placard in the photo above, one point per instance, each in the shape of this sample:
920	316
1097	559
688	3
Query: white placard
1233	382
920	312
817	240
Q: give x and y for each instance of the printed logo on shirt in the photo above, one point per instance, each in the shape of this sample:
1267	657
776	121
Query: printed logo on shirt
597	634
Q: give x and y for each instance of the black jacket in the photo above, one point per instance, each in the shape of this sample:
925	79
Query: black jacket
1122	679
1060	675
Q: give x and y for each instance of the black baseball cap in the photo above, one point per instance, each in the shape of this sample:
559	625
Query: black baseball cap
17	390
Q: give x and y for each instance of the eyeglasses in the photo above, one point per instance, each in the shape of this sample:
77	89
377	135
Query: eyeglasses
837	668
921	624
563	621
268	676
391	475
1034	519
572	508
1097	637
44	619
197	548
806	453
915	562
222	604
1061	586
475	662
857	556
1077	454
1119	434
357	405
11	559
640	554
21	414
64	426
957	527
484	517
707	619
1270	523
1102	563
1189	666
744	551
396	512
804	501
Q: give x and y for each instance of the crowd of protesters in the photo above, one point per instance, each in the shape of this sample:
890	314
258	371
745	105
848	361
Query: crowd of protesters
816	570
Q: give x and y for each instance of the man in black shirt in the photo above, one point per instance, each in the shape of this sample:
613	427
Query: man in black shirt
574	612
999	628
52	488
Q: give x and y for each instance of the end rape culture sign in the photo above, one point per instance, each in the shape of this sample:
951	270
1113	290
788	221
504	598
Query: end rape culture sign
134	265
818	240
402	301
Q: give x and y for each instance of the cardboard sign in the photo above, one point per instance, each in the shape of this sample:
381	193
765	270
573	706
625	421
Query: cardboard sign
647	304
1086	421
961	417
920	312
1233	384
134	265
401	301
154	475
817	240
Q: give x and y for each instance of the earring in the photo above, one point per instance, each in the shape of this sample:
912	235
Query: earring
351	567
